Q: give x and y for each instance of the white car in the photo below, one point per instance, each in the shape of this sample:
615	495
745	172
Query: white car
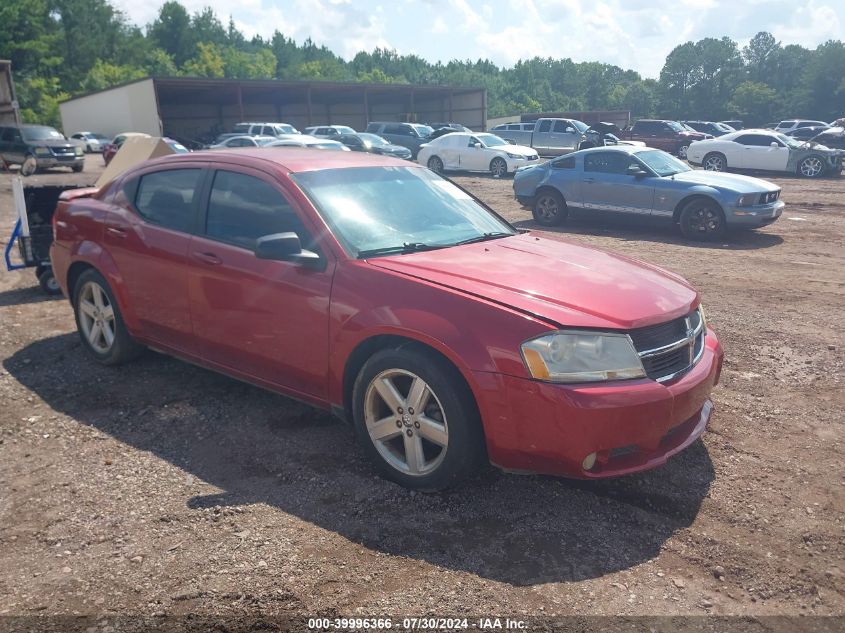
475	152
89	141
328	131
767	151
243	141
794	124
304	140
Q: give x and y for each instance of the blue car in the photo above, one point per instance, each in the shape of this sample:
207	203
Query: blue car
645	181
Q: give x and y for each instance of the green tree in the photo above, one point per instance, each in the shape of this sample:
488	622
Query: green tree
207	63
171	31
104	75
752	102
40	98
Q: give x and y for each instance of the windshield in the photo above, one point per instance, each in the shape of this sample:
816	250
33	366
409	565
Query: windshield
381	207
661	163
789	141
40	133
675	126
373	139
423	130
287	129
581	127
490	140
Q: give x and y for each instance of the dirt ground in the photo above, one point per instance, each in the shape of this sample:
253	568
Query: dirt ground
161	489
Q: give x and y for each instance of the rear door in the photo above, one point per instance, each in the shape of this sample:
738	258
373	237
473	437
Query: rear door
147	234
541	137
263	319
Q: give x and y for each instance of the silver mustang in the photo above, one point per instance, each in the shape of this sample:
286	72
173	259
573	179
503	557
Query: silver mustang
645	181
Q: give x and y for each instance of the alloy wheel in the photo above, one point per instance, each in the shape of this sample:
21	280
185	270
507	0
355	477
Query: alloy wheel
811	167
96	317
547	208
682	152
704	221
406	422
714	163
498	167
435	165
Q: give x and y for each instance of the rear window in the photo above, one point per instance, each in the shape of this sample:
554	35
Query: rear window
167	197
241	128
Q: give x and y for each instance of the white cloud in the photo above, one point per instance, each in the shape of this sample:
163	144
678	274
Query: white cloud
627	33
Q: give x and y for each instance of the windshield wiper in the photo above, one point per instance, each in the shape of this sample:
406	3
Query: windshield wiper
407	247
482	238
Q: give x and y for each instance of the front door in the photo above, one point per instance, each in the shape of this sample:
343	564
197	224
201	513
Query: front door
147	234
564	138
264	319
758	153
607	184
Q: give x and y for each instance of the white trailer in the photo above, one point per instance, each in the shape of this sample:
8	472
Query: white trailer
131	107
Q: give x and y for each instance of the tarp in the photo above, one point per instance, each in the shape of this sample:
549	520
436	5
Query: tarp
135	149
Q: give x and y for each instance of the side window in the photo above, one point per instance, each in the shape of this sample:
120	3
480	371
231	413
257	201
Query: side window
756	140
268	131
6	134
560	126
392	128
167	197
243	208
545	126
564	163
644	127
607	162
373	128
472	141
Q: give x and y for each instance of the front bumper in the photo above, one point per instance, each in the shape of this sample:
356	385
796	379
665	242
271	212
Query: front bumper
45	162
522	161
756	215
635	425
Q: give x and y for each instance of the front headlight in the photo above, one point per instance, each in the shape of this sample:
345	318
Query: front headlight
509	155
582	357
77	151
42	151
747	199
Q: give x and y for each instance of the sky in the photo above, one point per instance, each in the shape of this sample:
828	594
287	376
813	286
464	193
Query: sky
633	34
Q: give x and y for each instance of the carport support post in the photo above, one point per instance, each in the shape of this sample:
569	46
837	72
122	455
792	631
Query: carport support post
366	108
240	102
451	92
412	113
308	103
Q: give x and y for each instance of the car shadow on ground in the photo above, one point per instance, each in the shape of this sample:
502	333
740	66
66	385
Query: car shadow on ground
258	447
649	230
19	296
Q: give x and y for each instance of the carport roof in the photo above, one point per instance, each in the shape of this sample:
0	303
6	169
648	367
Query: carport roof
227	91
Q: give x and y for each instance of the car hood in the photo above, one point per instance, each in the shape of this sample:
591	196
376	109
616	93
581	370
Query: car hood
558	281
732	182
53	142
391	149
521	150
697	136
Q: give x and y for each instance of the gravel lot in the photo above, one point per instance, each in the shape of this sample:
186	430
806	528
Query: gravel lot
160	488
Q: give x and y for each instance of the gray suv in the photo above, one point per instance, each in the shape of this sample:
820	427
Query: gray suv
35	147
410	135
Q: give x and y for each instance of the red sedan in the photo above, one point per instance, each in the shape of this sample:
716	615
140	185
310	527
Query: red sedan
382	292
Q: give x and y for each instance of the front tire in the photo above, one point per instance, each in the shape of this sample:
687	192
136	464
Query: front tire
416	419
435	164
498	167
682	151
99	322
549	208
702	220
29	166
811	167
77	168
715	162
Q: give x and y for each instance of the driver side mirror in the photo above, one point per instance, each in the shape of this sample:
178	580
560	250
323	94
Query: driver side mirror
285	247
774	144
475	144
636	171
570	130
510	141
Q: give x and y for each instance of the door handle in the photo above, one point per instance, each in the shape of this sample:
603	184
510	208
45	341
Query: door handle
116	231
208	258
589	179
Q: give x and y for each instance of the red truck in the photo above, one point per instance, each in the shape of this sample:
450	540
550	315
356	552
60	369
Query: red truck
670	136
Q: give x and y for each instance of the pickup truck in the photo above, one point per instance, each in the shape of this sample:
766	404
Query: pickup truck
670	136
550	137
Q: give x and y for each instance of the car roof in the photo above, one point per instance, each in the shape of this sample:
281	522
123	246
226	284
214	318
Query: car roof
290	159
624	149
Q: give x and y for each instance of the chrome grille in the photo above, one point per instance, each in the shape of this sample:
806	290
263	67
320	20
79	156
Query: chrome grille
669	349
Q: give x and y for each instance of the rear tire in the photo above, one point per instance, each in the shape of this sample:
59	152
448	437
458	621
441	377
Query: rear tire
682	151
702	220
417	420
715	162
99	321
435	164
549	208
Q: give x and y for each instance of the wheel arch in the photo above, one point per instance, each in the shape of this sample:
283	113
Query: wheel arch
378	342
549	188
676	213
